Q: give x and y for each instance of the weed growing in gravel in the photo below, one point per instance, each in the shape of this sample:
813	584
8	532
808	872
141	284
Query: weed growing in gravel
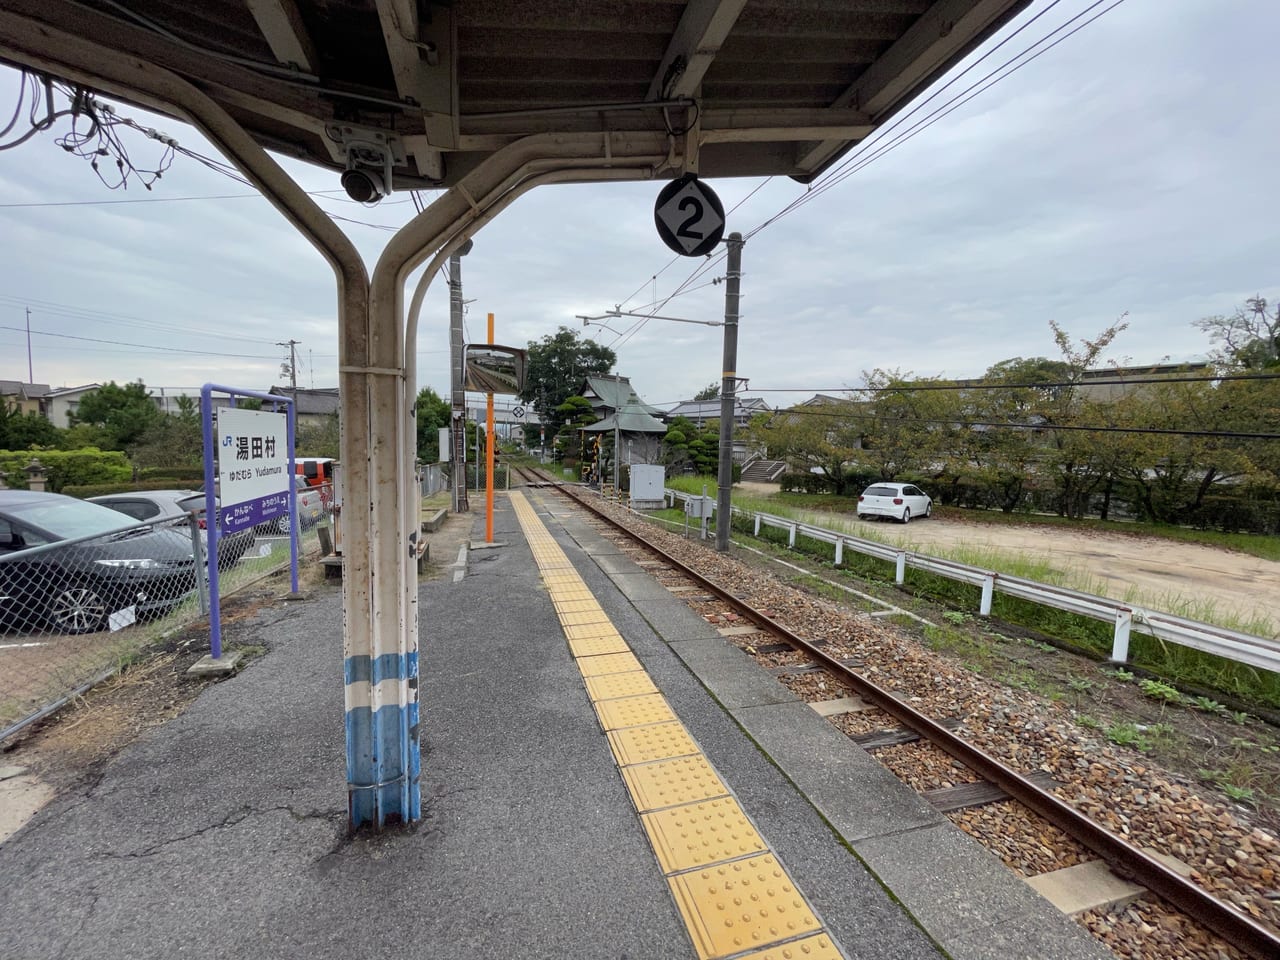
1225	780
1209	705
957	616
1121	674
1085	720
1126	735
1160	691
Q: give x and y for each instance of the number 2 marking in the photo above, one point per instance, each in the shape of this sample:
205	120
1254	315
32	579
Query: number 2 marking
683	230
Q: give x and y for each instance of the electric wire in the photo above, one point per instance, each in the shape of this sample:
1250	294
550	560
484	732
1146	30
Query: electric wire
1017	425
940	113
858	161
1031	385
140	346
43	307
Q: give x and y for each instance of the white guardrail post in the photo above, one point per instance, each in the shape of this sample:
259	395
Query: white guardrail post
1120	644
900	570
988	588
839	551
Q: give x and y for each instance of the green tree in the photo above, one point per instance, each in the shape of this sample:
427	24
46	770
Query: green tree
1077	462
685	445
433	412
710	392
827	436
899	429
1248	339
558	363
999	461
572	415
173	440
318	438
22	431
123	414
170	441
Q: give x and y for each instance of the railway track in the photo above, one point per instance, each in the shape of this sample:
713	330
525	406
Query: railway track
825	667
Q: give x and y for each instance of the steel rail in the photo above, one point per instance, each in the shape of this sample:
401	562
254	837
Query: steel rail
1126	860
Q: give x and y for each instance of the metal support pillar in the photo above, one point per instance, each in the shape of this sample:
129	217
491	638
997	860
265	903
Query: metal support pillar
457	394
377	376
724	495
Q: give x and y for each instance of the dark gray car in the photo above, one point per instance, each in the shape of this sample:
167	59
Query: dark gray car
108	564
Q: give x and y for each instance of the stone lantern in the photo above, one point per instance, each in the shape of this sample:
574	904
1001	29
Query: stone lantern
36	477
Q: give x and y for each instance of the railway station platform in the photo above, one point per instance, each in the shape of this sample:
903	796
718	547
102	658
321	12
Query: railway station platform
603	776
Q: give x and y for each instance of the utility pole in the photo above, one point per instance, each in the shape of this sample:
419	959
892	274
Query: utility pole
617	434
724	495
293	363
458	394
31	377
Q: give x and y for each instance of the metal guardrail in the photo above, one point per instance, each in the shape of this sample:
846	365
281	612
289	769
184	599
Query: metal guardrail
1230	644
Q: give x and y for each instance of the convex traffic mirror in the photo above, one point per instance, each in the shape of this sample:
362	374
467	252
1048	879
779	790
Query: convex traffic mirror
492	369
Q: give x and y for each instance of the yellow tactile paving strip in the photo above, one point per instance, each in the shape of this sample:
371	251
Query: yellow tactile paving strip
736	899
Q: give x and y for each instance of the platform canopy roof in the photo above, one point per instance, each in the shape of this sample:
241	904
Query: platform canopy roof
758	87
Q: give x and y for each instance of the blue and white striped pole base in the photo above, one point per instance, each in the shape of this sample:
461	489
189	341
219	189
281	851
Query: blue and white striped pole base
384	764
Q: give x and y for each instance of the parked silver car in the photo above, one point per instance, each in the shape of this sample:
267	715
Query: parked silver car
173	508
899	501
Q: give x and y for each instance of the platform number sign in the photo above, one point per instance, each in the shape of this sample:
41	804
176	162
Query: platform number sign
689	216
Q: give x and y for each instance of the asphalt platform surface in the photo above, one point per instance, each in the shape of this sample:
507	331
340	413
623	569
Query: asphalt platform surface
222	833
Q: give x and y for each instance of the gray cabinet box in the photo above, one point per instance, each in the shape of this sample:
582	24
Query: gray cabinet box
647	482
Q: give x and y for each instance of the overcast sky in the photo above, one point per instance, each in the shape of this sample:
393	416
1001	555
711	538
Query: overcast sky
1124	171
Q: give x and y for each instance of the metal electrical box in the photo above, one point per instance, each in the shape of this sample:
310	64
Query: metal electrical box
647	482
700	506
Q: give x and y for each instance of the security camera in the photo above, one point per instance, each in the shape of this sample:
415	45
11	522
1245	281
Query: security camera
367	178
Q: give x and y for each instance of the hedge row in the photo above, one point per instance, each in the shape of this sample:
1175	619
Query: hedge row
86	490
66	468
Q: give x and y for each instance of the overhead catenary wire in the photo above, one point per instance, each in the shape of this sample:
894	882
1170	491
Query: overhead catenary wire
858	159
874	144
1018	425
911	387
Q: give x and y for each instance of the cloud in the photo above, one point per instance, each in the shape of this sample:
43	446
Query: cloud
1129	169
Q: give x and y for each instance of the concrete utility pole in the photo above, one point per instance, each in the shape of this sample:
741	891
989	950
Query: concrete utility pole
458	394
617	436
293	362
31	377
724	495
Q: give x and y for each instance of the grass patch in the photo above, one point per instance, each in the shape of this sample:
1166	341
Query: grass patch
1180	666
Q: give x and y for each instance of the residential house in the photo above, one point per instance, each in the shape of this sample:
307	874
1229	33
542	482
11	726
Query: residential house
311	407
25	397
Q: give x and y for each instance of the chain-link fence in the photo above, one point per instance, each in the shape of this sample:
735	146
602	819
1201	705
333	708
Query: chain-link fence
82	591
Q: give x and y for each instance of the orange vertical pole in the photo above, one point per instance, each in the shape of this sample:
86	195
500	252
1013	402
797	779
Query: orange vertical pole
488	457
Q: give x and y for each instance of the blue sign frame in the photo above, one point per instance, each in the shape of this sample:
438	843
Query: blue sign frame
214	526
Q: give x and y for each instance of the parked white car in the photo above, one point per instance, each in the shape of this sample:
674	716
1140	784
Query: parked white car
898	501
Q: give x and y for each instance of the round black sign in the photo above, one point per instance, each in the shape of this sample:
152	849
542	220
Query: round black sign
689	216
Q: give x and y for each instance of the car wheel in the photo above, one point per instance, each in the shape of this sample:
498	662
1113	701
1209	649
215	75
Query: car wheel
928	510
906	514
283	524
77	608
862	516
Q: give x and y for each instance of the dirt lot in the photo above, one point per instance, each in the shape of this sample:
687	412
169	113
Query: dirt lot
1161	574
